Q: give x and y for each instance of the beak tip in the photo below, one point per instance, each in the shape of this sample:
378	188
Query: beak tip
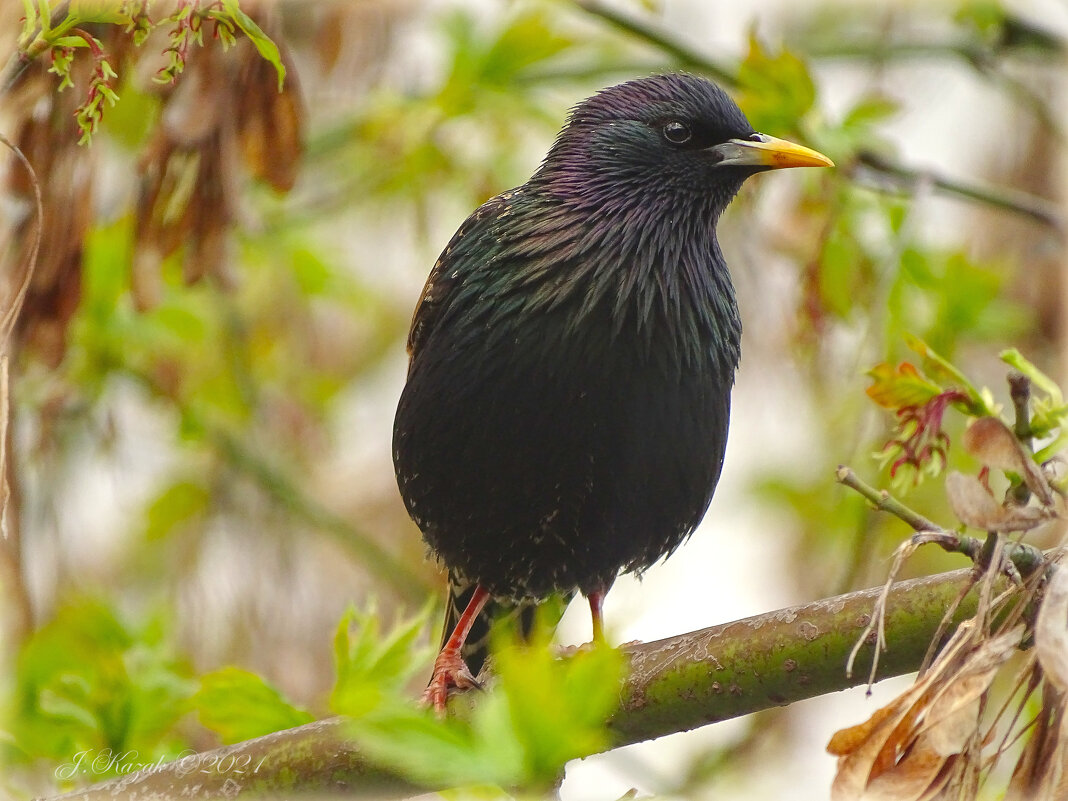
775	154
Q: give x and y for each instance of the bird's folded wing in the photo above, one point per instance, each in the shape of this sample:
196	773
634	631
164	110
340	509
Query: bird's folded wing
446	275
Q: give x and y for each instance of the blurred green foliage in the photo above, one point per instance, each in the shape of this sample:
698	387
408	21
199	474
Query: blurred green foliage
87	682
264	367
514	737
238	705
374	669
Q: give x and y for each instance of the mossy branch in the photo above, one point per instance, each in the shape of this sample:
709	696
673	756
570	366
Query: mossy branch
675	684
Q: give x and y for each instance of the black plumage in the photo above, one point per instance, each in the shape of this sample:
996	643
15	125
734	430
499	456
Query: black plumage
572	355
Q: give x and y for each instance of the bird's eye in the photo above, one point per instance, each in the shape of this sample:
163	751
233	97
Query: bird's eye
678	133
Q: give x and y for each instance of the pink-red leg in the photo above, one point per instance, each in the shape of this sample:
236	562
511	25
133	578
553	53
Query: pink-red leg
449	667
596	599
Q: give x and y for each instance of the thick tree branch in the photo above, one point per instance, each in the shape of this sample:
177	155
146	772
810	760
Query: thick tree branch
675	684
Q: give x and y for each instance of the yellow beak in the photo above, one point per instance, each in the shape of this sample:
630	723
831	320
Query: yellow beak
769	153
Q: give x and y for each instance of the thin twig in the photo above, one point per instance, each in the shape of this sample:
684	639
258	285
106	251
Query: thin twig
876	622
885	502
1027	205
7	322
1033	678
991	561
1020	393
944	624
9	529
276	484
662	39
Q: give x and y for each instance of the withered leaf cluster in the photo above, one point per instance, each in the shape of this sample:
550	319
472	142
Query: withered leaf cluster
917	747
225	113
223	119
990	441
931	743
1041	774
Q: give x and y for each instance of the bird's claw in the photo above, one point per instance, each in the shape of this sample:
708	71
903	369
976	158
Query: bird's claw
450	670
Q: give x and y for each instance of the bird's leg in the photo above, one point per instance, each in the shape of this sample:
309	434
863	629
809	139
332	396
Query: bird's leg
449	667
596	599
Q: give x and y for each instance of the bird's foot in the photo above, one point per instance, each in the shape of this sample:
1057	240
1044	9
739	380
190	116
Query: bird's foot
449	671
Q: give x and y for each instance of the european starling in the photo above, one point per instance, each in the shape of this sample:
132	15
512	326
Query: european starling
572	355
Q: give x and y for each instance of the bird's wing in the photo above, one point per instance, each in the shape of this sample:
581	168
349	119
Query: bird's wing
445	275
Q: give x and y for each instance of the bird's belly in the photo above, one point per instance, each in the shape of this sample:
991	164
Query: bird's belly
536	480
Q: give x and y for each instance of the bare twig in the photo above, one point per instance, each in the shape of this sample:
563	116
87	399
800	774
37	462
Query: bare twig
995	547
929	531
877	620
655	35
885	502
9	530
1035	208
1020	392
11	313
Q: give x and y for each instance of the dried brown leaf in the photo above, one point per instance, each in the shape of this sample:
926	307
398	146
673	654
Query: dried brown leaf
914	778
990	441
907	750
1051	630
972	503
974	506
226	105
1041	773
270	123
846	741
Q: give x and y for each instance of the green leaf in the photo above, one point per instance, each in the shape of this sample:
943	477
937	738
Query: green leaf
264	44
87	681
528	40
176	504
98	11
870	109
372	668
900	387
558	707
446	753
940	368
541	713
777	89
1043	382
238	705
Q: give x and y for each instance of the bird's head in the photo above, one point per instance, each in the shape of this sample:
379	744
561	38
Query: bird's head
667	136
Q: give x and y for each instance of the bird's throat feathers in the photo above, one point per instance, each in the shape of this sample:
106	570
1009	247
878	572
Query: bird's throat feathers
649	266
